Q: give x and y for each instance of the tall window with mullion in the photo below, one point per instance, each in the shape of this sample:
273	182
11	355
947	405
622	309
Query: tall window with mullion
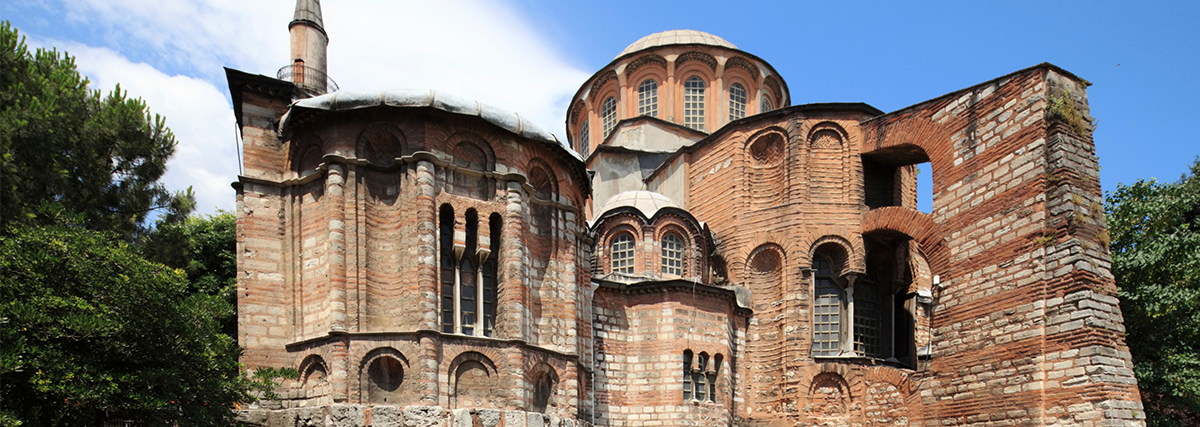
737	102
648	98
672	255
622	254
608	112
693	103
448	276
827	309
468	292
583	139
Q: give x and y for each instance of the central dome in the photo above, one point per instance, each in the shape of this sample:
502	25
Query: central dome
666	38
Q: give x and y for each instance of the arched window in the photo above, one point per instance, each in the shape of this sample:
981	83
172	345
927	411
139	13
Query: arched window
827	309
737	102
693	103
764	104
583	139
608	112
622	254
648	98
700	379
468	292
672	255
688	385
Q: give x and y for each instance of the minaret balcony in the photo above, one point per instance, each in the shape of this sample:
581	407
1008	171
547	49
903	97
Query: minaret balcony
311	80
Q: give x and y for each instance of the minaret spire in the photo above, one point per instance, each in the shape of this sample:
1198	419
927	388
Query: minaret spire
309	44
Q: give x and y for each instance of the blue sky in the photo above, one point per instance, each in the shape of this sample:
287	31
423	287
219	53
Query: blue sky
529	56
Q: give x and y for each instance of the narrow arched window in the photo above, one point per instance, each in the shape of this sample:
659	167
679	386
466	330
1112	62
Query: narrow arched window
827	310
688	387
699	379
448	267
737	102
468	282
672	255
608	112
622	254
693	103
648	98
764	104
583	139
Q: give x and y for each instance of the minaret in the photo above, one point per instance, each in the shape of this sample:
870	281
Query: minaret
309	43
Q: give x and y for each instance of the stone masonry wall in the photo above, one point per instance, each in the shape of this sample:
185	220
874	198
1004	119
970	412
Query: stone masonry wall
1025	326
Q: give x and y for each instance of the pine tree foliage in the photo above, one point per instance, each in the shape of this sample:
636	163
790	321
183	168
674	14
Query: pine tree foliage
100	155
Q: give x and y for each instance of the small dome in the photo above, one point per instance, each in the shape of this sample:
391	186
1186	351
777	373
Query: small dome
648	202
667	38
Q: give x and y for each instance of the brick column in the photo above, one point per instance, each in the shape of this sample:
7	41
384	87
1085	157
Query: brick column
334	189
427	269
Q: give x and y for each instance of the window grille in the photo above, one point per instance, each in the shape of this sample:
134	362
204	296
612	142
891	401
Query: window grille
672	255
583	139
608	112
648	98
868	326
622	254
827	310
737	102
764	104
693	103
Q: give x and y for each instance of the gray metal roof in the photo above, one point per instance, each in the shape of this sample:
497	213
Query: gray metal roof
353	100
647	202
676	37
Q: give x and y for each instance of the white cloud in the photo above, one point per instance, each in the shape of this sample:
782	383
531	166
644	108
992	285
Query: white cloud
170	52
195	110
475	49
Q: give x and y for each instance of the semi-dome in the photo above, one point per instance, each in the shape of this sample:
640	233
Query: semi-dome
647	202
667	38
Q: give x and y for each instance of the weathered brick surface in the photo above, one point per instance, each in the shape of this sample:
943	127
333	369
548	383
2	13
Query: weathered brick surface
1000	308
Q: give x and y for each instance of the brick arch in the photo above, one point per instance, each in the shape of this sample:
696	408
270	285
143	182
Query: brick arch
696	55
306	155
896	377
534	377
851	239
380	143
644	60
737	259
598	84
743	63
364	375
613	227
310	365
828	393
691	248
492	388
576	109
462	142
544	182
915	224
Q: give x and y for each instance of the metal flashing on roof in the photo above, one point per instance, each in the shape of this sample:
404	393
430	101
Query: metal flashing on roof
353	100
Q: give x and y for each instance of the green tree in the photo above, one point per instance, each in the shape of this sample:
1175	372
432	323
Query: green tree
98	155
102	330
1155	231
204	246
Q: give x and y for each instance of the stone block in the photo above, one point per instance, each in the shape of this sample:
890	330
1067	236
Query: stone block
423	416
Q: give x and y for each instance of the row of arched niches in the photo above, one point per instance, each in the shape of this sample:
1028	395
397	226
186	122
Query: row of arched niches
400	373
445	237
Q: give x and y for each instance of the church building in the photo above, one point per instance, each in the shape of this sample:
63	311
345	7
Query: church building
696	251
